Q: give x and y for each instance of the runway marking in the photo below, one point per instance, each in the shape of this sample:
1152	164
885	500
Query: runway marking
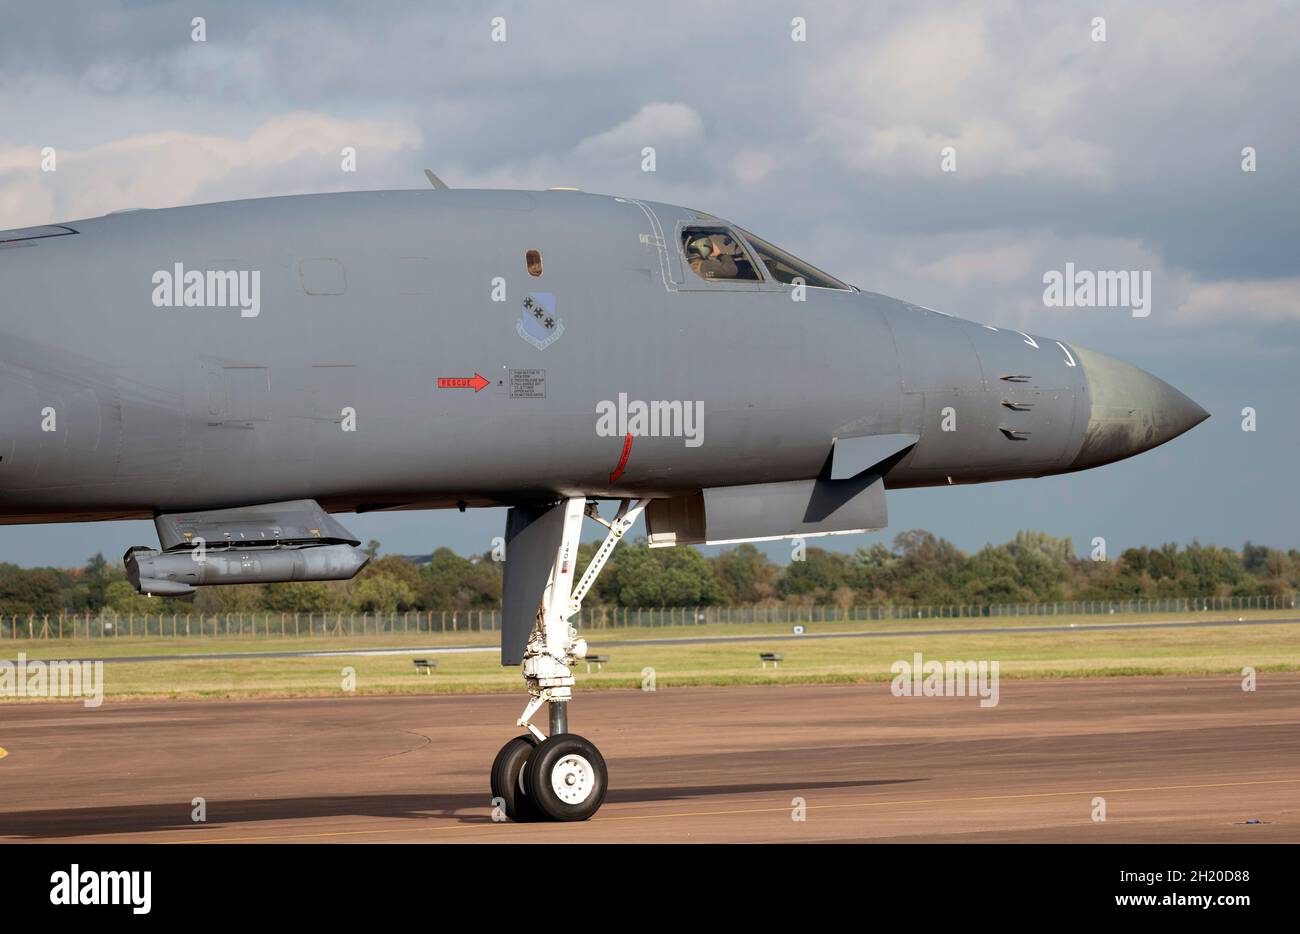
766	810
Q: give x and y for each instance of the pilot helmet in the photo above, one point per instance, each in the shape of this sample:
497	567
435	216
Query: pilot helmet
701	246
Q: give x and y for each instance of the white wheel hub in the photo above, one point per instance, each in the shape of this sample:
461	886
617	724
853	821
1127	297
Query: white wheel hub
573	779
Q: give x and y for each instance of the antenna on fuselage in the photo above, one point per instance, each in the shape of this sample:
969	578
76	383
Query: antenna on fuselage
435	181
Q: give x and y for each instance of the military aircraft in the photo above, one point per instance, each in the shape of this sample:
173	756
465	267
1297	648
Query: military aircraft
238	372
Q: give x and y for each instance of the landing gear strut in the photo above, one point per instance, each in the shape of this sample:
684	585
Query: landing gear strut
561	777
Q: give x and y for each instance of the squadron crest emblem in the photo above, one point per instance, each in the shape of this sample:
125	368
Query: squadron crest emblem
538	322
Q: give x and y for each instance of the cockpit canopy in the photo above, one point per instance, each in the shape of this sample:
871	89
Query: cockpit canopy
719	253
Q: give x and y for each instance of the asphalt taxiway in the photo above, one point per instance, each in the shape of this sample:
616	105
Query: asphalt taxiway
1174	758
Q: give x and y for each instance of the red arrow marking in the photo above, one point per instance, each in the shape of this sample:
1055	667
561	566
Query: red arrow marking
475	382
622	461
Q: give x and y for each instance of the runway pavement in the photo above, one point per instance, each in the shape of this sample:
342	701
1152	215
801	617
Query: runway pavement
1175	759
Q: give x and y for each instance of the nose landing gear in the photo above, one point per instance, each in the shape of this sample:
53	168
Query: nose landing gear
561	777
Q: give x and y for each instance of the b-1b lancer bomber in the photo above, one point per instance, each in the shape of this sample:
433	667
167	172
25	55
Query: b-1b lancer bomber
239	372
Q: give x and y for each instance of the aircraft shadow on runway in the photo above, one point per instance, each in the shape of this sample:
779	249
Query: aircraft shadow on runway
464	808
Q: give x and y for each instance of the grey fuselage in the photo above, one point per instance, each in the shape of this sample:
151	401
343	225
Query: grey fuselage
331	391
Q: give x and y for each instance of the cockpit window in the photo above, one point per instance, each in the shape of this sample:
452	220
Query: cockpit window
716	253
784	267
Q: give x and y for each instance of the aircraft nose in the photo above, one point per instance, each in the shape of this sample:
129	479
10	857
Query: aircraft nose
1131	411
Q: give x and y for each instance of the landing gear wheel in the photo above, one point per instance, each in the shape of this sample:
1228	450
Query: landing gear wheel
565	778
507	779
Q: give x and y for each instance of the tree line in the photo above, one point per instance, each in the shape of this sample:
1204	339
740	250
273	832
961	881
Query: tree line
919	569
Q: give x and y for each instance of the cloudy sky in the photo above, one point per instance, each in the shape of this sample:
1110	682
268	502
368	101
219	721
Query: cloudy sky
1123	154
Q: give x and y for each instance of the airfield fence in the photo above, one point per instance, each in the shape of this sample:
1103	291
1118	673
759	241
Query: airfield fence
107	625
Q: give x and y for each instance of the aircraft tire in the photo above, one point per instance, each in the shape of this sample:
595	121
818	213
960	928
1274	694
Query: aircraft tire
507	779
566	778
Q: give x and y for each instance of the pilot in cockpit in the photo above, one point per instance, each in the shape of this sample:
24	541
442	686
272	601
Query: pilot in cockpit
713	256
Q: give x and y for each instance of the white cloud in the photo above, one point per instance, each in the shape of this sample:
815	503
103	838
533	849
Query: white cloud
984	148
999	84
168	168
1242	301
610	160
1000	265
997	278
658	125
752	165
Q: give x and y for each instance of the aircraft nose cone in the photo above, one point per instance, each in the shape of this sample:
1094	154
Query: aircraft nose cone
1131	411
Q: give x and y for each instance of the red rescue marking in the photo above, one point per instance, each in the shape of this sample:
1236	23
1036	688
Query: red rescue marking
475	382
622	461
